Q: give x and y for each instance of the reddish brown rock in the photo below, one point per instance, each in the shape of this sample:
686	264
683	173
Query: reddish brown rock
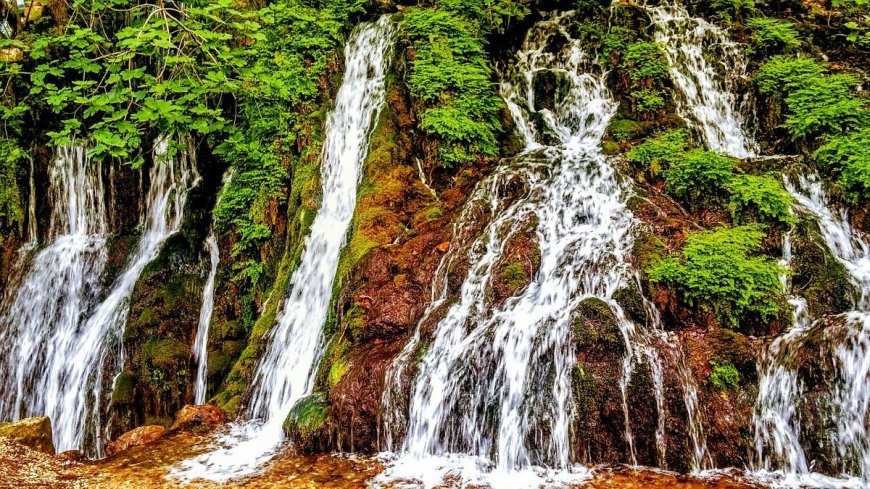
143	435
198	418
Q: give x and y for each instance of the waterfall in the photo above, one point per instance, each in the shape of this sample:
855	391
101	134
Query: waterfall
492	396
780	449
200	344
60	338
285	373
705	65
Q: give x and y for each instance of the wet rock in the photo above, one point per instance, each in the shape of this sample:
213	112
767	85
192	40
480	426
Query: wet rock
518	265
72	456
198	418
304	425
143	435
34	433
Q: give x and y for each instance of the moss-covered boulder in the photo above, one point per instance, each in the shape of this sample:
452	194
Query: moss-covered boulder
306	423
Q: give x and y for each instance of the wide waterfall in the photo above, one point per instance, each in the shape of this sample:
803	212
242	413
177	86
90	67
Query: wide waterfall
705	65
200	344
496	379
61	341
285	374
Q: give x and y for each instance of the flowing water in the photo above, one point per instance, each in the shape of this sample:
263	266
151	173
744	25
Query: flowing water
62	334
285	374
781	444
200	344
706	67
491	400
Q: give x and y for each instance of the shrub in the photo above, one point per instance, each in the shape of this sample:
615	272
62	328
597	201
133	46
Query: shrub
849	155
452	77
700	174
661	151
722	270
724	376
824	105
762	198
645	61
647	100
782	73
770	33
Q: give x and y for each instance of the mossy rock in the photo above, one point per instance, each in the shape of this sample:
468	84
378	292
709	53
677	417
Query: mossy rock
125	388
307	419
596	327
820	277
648	250
515	276
631	301
167	354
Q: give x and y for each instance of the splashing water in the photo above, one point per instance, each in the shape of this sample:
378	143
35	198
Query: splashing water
780	448
200	344
491	401
286	372
705	65
58	340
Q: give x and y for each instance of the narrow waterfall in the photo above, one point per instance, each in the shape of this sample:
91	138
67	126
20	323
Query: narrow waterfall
492	396
705	65
781	448
285	374
200	344
61	341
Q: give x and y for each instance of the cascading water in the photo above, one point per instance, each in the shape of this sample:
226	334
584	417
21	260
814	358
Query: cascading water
705	65
492	395
779	436
285	373
58	340
200	344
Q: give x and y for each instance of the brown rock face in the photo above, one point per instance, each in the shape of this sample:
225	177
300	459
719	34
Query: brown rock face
135	438
34	433
198	418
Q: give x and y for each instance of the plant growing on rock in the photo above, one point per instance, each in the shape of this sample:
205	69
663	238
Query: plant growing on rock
760	198
723	270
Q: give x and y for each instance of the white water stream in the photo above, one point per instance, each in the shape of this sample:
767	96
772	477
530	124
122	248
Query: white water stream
285	374
491	402
200	344
705	66
61	334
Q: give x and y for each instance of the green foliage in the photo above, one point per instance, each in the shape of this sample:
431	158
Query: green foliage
452	77
733	9
770	33
660	152
722	270
783	73
645	61
647	100
623	129
700	175
824	105
11	209
849	156
724	376
760	198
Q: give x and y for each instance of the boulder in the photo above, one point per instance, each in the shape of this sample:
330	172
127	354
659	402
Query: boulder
143	435
11	55
198	418
34	433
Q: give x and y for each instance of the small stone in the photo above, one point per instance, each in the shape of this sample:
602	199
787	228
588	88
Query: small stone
71	456
143	435
11	55
443	247
195	417
33	433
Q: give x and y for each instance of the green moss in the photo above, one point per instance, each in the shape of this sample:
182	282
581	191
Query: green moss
515	276
595	325
649	251
125	388
623	129
307	416
724	376
166	354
